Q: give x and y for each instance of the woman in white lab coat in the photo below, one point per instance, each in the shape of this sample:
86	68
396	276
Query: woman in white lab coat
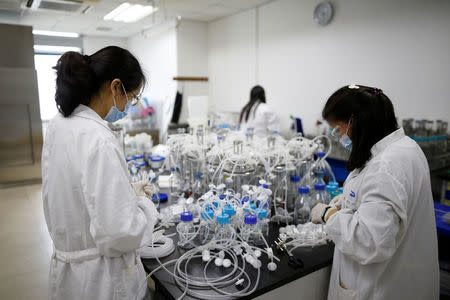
258	115
95	217
383	226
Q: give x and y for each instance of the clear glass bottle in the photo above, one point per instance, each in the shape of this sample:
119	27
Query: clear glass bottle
302	206
198	188
229	210
224	232
186	231
174	182
207	226
292	193
263	225
249	229
318	195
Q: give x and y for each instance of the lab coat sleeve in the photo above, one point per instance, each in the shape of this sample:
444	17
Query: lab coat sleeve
119	218
373	232
273	123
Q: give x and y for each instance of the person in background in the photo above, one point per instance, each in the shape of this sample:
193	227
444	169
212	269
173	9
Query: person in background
96	218
383	225
257	114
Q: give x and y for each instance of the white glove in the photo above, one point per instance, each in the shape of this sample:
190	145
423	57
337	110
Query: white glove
142	188
321	212
337	201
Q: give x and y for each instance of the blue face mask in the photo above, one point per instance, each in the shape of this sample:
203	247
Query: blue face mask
345	139
114	113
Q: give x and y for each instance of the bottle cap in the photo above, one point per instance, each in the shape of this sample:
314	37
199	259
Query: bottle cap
319	187
295	178
229	210
155	157
223	219
162	197
186	216
334	183
262	213
303	190
250	219
330	188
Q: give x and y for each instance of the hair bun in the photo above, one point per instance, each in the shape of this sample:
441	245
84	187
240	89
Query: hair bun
87	58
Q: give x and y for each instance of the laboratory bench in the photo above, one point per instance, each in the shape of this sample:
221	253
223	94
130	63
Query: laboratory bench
310	282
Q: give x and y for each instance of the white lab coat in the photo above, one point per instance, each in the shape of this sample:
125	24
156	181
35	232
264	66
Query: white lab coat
263	119
93	215
385	234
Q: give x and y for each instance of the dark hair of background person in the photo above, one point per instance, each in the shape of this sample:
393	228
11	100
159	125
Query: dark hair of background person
373	119
257	96
79	77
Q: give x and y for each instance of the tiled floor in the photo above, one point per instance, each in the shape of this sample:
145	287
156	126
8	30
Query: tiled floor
25	245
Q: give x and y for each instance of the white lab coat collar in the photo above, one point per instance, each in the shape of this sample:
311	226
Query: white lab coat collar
86	112
387	140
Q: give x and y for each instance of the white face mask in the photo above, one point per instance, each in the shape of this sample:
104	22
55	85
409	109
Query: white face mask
114	113
345	139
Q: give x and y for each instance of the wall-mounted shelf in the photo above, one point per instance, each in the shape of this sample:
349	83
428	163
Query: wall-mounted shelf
185	78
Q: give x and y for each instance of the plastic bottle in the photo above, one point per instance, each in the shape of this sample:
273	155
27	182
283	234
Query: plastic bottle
302	206
186	230
224	231
336	189
174	182
229	210
292	193
330	189
198	188
268	193
322	169
319	195
263	224
249	229
207	226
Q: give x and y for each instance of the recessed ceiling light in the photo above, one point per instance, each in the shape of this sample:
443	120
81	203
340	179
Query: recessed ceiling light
129	13
54	49
56	33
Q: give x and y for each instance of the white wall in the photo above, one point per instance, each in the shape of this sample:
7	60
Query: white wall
92	44
399	46
231	60
192	54
157	54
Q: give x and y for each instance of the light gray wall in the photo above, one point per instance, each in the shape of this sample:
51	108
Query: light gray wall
92	44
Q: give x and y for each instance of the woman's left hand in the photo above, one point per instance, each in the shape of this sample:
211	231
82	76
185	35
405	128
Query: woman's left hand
322	212
141	188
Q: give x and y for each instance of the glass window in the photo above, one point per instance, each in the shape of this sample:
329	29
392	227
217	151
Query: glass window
46	84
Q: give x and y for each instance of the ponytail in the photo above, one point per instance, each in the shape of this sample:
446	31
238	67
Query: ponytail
74	82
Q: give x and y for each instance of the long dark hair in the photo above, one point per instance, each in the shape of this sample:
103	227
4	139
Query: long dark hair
373	119
79	77
257	96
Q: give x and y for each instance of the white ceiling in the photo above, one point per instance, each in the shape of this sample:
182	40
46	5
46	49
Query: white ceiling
15	12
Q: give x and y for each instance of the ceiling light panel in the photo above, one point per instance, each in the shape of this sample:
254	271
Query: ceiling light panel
129	13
